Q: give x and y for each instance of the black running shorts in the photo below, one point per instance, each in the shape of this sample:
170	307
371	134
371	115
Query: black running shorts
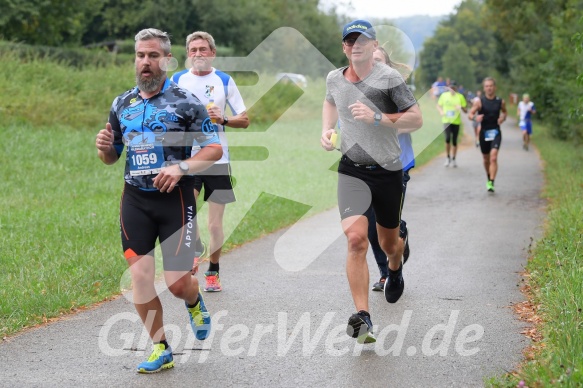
490	140
170	217
451	133
361	187
217	183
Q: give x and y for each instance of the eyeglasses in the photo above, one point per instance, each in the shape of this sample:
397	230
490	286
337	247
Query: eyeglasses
202	50
363	41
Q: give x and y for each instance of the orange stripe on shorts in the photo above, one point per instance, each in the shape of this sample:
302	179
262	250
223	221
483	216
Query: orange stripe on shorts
129	253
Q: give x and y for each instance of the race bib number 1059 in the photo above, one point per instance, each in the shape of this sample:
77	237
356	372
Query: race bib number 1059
145	159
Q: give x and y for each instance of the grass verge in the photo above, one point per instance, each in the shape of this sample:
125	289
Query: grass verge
555	275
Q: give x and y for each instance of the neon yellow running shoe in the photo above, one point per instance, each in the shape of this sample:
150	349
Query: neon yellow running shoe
490	186
200	319
161	358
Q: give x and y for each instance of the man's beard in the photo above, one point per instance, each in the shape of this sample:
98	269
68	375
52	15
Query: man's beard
150	85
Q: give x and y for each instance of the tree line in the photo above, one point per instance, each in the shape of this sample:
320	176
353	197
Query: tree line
240	25
532	47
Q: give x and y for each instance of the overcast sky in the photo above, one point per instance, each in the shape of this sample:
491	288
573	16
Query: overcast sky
393	8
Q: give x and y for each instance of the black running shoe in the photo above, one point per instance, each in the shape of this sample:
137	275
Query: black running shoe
394	285
378	286
404	234
360	327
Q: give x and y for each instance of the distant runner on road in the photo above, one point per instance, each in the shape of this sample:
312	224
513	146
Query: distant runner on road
490	112
450	105
525	111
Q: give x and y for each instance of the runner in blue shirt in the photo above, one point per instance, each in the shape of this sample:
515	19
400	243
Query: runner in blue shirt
157	122
525	111
408	161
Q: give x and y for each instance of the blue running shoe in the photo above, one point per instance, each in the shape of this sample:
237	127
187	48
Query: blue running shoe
161	358
200	319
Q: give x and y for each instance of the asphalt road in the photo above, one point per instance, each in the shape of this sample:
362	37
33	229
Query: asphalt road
275	325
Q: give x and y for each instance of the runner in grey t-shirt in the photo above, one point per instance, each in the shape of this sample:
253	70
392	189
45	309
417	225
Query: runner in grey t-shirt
382	90
372	103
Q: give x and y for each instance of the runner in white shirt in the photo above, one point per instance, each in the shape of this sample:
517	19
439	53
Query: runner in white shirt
525	111
208	83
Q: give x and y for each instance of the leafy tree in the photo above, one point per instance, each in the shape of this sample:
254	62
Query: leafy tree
535	38
255	20
432	54
459	65
577	112
46	22
122	19
467	27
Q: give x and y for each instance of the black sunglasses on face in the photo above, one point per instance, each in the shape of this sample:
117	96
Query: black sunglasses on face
362	40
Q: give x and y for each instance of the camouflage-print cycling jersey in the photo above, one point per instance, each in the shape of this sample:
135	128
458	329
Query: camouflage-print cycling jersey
158	131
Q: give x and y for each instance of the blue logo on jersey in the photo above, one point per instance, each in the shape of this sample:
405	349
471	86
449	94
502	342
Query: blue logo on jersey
131	113
157	125
207	126
172	117
209	90
136	121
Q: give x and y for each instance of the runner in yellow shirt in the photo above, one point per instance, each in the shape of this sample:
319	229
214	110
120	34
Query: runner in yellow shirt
449	106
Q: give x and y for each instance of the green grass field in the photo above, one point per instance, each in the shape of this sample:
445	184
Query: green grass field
556	272
59	227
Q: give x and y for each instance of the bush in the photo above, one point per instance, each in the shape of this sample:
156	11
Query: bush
48	92
73	57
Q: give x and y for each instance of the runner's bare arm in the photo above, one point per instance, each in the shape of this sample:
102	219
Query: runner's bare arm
439	109
407	121
476	106
238	121
104	144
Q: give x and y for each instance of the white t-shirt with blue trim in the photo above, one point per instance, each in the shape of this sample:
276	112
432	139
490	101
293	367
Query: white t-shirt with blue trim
221	88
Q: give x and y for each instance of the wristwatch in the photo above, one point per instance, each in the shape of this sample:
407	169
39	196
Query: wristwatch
377	119
183	166
225	120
